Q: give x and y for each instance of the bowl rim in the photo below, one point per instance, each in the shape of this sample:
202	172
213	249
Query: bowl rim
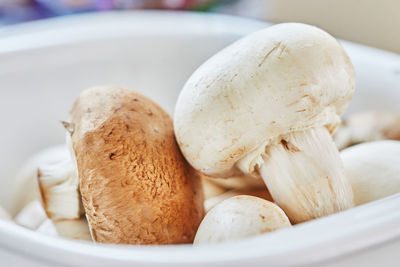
367	225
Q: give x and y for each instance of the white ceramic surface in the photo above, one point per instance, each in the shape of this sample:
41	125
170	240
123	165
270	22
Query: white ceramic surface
43	67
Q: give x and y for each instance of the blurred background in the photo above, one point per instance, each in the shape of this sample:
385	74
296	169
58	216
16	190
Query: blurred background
371	22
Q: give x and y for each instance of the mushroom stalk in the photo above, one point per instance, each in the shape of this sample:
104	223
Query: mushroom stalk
305	176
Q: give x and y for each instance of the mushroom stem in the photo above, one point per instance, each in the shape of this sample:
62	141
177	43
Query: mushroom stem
305	175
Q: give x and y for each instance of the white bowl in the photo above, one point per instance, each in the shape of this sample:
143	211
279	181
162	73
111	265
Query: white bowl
43	67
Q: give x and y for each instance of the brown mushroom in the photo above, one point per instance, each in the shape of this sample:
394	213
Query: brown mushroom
136	186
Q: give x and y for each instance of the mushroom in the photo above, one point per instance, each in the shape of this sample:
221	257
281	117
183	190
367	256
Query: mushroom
49	180
27	189
367	126
59	188
266	106
240	217
136	186
260	192
373	169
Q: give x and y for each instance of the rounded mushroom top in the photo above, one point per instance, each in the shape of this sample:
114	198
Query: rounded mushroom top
136	186
373	169
240	217
284	78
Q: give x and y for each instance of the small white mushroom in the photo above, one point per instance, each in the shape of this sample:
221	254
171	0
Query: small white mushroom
240	217
266	106
53	185
373	169
59	188
27	189
367	126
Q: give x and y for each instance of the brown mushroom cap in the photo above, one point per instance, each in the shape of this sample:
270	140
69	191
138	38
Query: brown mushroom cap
136	186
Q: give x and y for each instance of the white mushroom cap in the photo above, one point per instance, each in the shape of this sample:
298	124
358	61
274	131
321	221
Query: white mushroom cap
266	106
373	169
288	77
240	217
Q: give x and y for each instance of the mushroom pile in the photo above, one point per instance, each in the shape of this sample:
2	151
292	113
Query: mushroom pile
249	150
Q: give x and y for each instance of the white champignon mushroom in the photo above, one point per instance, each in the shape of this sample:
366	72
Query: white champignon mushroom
56	208
240	217
267	105
27	189
367	126
373	170
59	188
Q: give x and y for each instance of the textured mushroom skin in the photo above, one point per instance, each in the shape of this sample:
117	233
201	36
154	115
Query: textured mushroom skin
136	186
